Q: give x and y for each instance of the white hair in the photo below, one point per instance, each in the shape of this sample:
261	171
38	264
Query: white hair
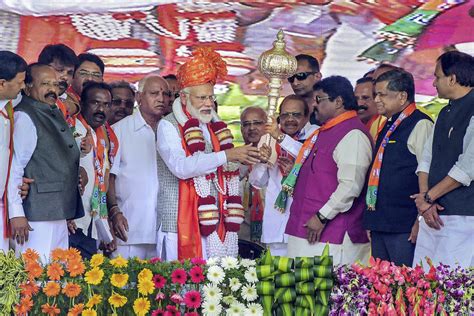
144	80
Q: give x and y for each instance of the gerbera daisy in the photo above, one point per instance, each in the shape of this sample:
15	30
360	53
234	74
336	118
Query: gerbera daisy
117	300
146	287
29	289
179	276
76	310
119	262
141	306
51	289
34	270
71	290
97	260
254	309
94	300
145	274
58	254
50	310
30	255
55	271
24	307
159	281
89	312
192	299
119	280
251	275
215	274
73	254
229	263
249	293
196	274
210	308
75	268
94	276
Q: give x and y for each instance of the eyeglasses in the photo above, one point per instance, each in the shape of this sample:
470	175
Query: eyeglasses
176	95
250	123
287	115
86	74
204	98
300	76
119	102
319	99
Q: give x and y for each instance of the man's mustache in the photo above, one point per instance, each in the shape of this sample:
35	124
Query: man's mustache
51	94
63	84
363	107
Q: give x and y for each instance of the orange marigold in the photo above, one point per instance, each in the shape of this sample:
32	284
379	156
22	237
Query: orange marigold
34	270
76	310
51	310
24	307
58	254
71	290
29	289
73	254
55	271
51	289
30	255
75	268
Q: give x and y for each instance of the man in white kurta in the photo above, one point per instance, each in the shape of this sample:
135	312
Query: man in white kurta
294	114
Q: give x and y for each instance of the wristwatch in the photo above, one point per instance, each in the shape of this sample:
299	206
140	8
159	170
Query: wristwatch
428	198
280	138
322	219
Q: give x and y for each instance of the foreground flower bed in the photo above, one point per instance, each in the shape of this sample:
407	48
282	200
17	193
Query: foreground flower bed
68	285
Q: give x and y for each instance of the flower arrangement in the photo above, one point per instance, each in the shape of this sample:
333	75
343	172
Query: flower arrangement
382	288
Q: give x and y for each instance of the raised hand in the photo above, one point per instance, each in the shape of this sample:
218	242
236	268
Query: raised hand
246	154
86	142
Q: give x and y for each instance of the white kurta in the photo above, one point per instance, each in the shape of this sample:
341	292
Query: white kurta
171	151
136	182
46	235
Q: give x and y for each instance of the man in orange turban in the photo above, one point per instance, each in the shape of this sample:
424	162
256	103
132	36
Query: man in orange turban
200	213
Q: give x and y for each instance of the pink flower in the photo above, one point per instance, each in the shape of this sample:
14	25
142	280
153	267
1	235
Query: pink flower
198	261
176	298
155	260
157	312
192	299
159	281
160	296
179	276
171	311
196	274
191	314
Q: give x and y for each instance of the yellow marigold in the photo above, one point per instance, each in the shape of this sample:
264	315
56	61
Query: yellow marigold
55	271
94	276
58	254
51	289
146	287
119	280
141	306
94	300
119	262
97	260
75	268
76	310
145	274
117	300
34	270
71	290
30	255
73	254
89	312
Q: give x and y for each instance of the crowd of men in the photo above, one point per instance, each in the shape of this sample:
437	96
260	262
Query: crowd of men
362	169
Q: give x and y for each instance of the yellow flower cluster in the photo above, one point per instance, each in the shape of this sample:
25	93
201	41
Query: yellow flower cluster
145	283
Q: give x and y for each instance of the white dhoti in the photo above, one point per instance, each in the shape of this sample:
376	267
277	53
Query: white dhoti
4	242
453	244
278	248
45	237
167	246
142	251
345	253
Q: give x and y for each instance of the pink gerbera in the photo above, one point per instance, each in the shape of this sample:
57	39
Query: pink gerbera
159	281
179	276
192	299
155	260
157	312
196	274
198	261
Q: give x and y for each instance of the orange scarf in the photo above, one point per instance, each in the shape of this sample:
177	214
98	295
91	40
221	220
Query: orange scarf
9	116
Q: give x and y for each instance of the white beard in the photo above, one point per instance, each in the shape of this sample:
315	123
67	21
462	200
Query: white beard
203	118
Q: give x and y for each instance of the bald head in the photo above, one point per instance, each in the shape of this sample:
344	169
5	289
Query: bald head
153	96
252	124
42	83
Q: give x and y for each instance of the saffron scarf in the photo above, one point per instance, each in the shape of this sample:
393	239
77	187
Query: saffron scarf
374	176
9	116
290	182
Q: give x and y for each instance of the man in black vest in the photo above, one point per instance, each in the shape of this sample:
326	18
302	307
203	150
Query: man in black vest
44	150
392	216
446	172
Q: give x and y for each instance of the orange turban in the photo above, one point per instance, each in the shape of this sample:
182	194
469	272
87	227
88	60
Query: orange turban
205	67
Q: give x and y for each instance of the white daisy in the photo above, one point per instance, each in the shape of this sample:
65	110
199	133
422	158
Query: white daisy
215	274
251	275
234	284
229	300
247	263
235	310
213	261
212	293
211	308
249	293
254	309
230	263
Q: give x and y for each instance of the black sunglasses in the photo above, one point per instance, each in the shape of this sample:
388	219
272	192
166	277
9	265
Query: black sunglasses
300	76
118	102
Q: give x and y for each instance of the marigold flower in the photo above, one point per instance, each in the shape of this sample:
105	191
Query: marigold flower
179	276
94	300
55	271
89	312
34	270
51	310
117	300
24	307
30	255
29	289
119	280
76	310
75	268
119	262
146	287
97	260
141	306
145	274
94	276
51	289
71	290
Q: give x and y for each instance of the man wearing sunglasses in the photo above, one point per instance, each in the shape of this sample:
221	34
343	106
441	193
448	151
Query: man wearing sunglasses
123	101
307	74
